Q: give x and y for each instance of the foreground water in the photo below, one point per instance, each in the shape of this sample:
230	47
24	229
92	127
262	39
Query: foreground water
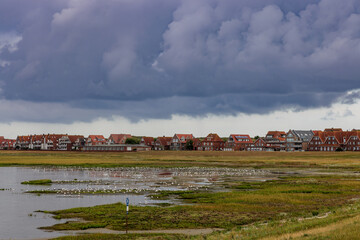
19	219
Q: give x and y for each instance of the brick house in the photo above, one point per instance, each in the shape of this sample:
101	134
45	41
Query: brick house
148	141
327	140
211	143
162	143
259	145
275	141
298	140
36	141
196	143
68	142
2	142
353	141
51	141
116	148
79	143
239	142
178	141
22	142
7	144
93	140
118	138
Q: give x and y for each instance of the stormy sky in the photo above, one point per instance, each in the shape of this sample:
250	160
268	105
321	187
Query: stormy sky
68	61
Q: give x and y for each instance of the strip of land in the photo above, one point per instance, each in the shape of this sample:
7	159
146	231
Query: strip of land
297	160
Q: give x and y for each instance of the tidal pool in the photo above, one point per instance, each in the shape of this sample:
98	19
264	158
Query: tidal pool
19	219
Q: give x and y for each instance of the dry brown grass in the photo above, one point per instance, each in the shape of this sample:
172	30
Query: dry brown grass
350	160
338	226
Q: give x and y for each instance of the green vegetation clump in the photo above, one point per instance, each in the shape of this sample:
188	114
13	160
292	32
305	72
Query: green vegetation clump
132	140
38	182
132	236
164	195
42	191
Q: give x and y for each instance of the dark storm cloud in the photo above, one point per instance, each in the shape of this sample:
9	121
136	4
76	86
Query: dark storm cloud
155	58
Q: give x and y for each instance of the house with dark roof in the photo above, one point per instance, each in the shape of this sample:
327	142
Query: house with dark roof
298	140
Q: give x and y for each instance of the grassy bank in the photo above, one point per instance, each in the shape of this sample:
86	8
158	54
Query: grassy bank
328	161
287	198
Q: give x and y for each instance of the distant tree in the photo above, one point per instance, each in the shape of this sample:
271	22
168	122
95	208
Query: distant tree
132	140
339	149
256	137
189	145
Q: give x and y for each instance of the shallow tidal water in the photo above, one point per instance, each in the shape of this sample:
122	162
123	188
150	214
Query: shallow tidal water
19	219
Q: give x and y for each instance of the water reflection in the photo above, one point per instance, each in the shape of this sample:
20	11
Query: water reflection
17	209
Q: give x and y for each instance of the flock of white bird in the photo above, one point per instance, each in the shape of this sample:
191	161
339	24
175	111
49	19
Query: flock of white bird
142	180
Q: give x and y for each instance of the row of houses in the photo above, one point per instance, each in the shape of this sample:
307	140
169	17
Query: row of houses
332	139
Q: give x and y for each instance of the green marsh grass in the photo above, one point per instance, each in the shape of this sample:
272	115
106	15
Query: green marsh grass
38	182
293	197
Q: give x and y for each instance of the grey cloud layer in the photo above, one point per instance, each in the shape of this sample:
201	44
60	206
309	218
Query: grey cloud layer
155	58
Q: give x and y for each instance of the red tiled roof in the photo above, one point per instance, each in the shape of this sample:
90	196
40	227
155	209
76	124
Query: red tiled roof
97	138
333	130
277	135
184	136
73	138
240	138
53	137
259	140
119	138
35	138
23	138
148	140
213	137
164	141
